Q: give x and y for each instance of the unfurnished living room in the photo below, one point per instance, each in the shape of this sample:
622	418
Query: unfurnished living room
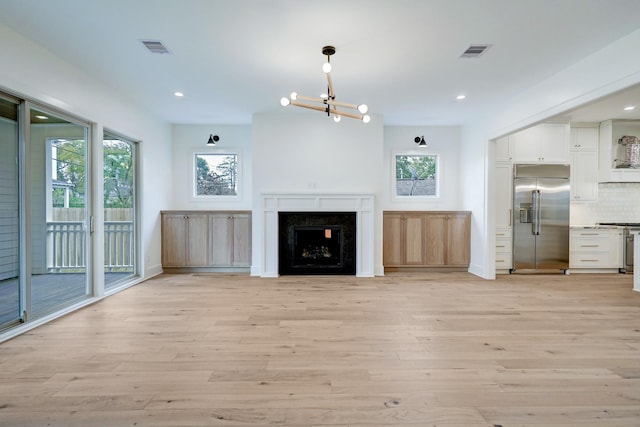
338	213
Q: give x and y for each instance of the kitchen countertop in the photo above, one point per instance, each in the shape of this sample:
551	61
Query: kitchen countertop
594	227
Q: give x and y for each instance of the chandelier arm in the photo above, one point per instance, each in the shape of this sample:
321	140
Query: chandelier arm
311	107
311	98
347	114
332	94
342	104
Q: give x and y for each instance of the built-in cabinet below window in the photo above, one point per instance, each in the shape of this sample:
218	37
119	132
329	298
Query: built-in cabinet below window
426	239
206	239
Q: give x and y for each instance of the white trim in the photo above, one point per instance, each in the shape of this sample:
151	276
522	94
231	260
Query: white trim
362	204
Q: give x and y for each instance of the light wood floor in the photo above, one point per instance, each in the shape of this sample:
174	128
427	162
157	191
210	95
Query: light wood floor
401	350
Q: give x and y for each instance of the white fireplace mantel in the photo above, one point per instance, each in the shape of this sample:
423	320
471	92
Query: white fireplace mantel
361	204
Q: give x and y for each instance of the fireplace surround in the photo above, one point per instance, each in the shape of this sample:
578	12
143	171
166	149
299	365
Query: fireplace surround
360	204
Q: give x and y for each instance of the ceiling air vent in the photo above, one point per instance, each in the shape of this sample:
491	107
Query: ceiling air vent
475	50
155	46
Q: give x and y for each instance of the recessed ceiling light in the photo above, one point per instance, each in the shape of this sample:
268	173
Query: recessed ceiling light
41	117
178	94
629	108
461	97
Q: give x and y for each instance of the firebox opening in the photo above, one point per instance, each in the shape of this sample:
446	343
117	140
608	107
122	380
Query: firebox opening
317	242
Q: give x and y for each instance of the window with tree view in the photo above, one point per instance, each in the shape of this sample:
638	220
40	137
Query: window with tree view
416	175
216	174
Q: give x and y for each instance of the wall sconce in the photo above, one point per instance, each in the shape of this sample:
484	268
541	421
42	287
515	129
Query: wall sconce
213	139
420	141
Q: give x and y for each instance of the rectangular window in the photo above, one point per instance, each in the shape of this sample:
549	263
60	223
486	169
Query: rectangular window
216	174
416	175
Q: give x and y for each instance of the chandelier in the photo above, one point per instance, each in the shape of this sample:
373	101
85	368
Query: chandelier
327	102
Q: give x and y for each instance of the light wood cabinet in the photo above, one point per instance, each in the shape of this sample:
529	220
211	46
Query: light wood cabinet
184	240
206	239
426	239
404	239
448	237
230	239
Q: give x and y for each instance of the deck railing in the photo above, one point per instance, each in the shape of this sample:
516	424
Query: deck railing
66	246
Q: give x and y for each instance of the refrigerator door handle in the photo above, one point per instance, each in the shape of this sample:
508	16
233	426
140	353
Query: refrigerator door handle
535	222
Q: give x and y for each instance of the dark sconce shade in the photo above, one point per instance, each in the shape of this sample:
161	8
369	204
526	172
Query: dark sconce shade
420	141
213	139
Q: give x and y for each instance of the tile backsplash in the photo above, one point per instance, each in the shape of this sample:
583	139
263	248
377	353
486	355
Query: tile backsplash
617	202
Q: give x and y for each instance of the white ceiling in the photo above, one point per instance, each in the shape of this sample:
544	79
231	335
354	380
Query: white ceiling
234	58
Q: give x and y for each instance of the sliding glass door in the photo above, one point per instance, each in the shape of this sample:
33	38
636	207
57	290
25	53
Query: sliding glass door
120	248
58	212
10	289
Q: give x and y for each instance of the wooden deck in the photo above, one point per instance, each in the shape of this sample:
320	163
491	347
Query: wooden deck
401	350
48	292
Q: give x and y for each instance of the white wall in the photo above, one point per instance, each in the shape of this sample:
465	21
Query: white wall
189	140
443	141
30	71
306	152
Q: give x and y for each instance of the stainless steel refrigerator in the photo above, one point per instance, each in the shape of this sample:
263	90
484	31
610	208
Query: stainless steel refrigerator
541	217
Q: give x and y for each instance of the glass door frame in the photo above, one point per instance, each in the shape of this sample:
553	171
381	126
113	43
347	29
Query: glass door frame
25	199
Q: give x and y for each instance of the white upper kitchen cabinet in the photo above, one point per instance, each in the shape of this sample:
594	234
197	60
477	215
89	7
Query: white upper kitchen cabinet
584	176
584	138
543	143
584	163
503	149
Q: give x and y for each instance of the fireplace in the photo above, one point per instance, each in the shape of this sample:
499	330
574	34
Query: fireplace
266	238
317	243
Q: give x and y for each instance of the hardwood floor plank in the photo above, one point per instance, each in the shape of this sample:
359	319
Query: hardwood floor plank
426	349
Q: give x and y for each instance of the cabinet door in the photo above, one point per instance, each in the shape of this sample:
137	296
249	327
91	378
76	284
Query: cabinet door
503	186
174	240
458	250
526	145
197	244
241	240
584	176
436	235
553	139
392	240
221	239
503	149
414	247
584	139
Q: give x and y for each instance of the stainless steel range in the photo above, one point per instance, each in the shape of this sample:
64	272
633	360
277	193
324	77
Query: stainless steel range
627	245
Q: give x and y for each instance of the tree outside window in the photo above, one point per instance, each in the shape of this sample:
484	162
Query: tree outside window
216	174
416	175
